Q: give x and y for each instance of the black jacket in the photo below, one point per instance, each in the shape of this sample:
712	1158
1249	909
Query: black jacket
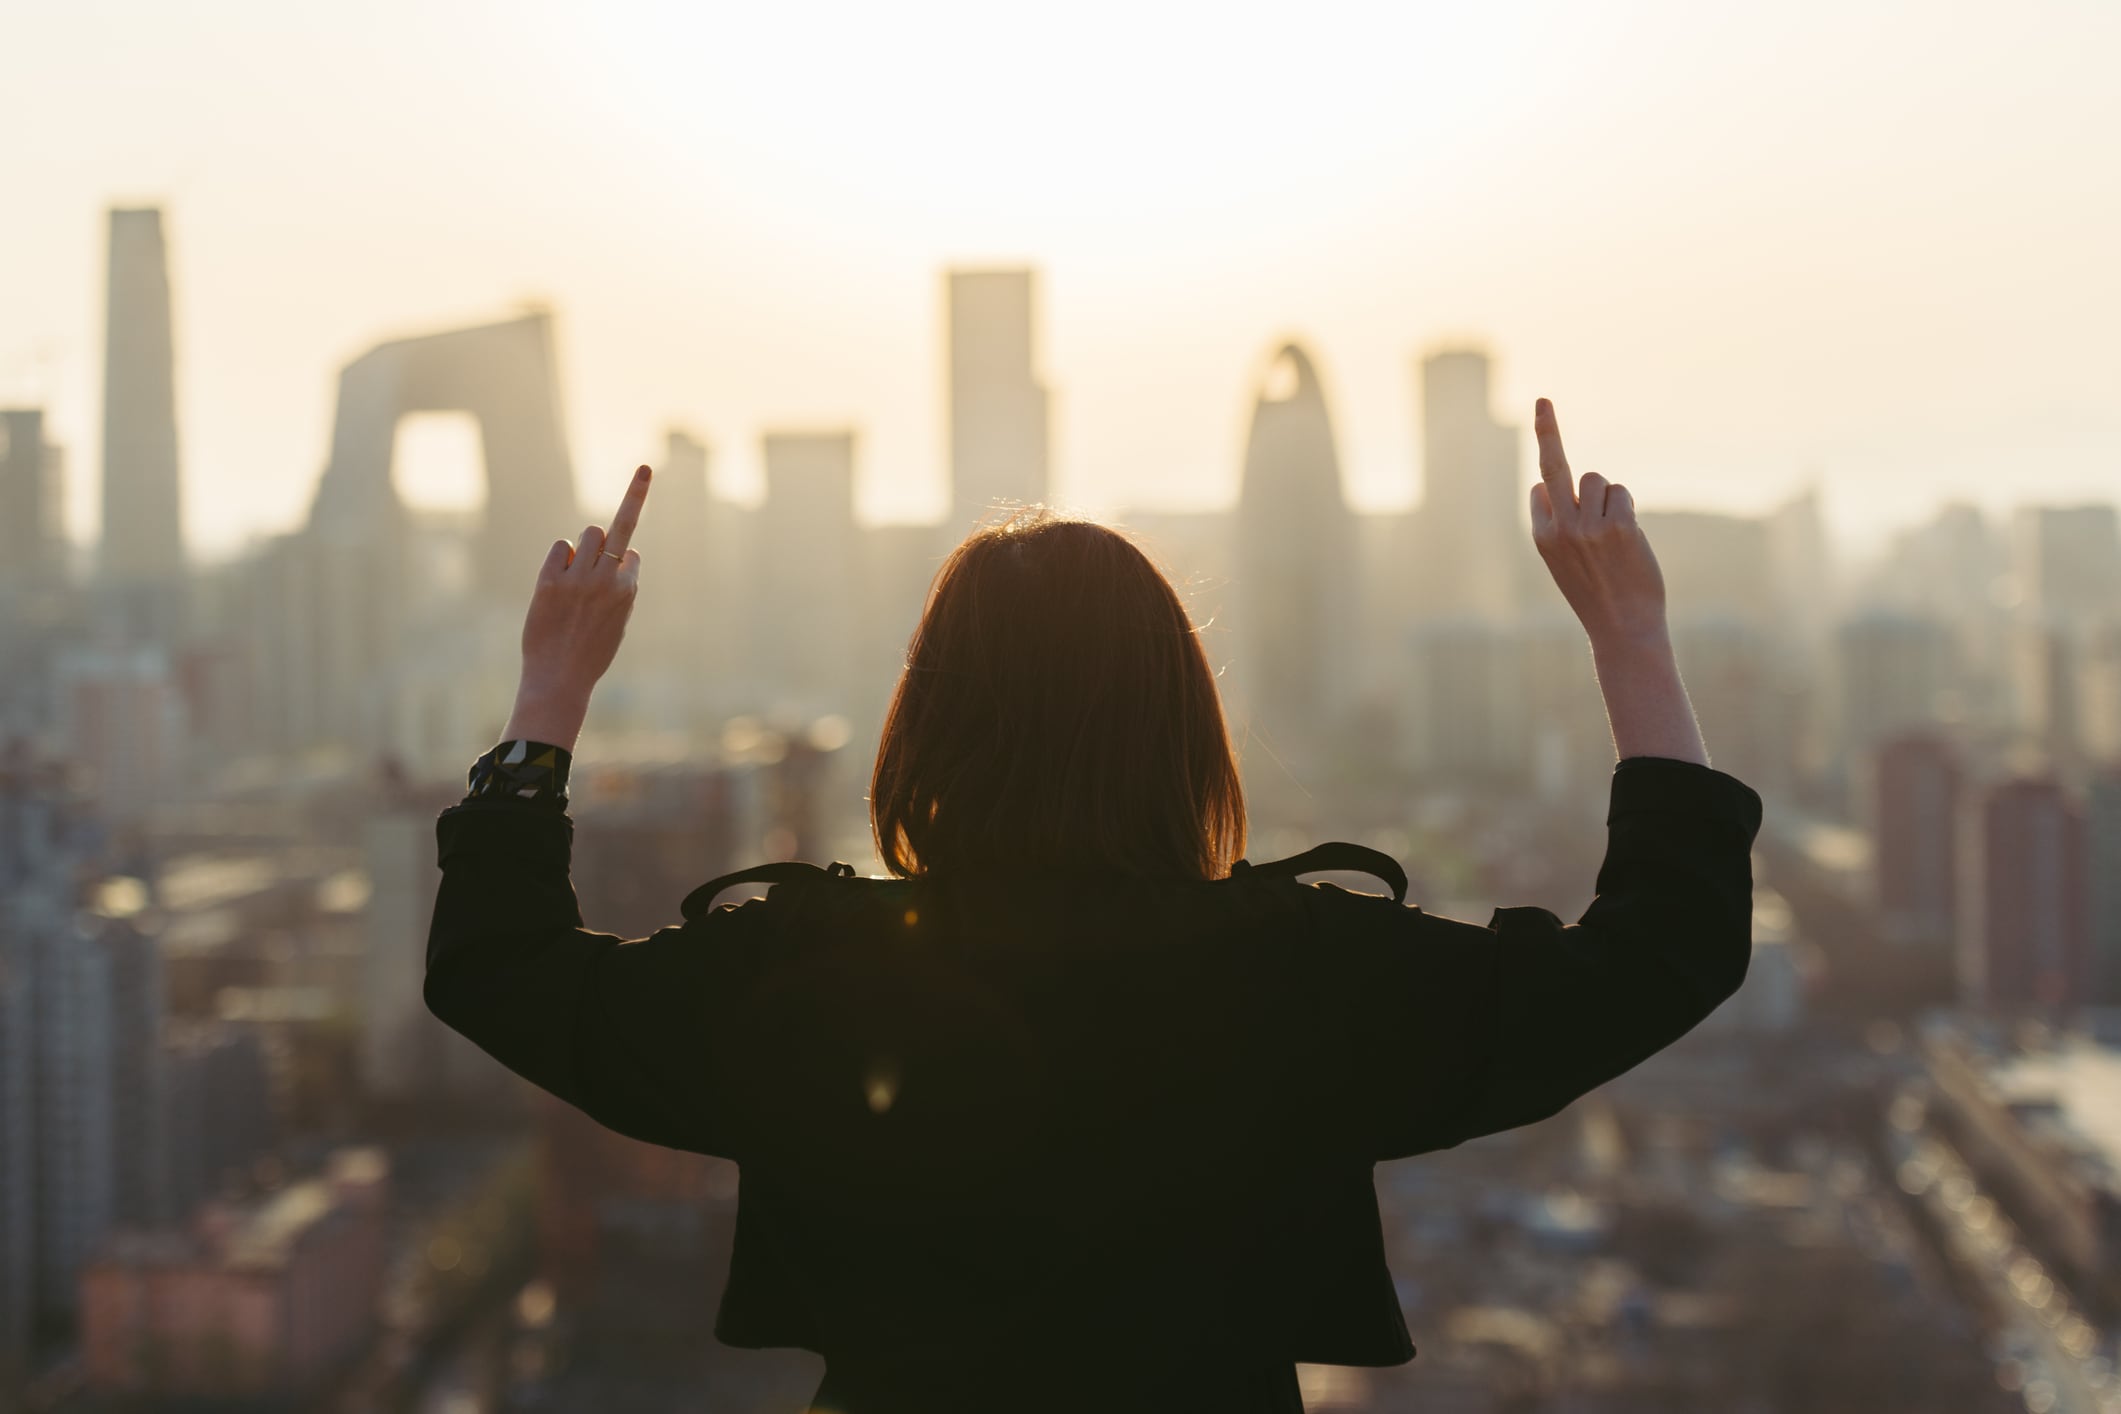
1103	1125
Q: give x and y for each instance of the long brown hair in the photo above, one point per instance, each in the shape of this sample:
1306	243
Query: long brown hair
1056	713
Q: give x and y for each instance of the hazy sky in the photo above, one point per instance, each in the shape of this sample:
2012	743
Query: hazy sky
1869	243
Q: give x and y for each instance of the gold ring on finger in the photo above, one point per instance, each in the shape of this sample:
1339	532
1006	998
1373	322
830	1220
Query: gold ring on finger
620	558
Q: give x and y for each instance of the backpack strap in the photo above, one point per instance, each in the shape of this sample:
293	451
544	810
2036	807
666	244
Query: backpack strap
1335	856
787	871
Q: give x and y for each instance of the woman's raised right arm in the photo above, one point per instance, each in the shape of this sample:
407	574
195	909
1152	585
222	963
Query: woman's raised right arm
1602	562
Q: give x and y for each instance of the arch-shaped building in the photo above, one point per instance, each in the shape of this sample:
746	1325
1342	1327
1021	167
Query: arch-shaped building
502	374
1296	596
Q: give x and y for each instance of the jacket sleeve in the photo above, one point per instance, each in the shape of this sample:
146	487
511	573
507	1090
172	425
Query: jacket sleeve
620	1029
1461	1030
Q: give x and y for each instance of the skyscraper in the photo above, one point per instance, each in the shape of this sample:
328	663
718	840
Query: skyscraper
140	1190
2022	927
31	504
1894	670
1476	556
806	613
1295	601
2067	560
337	609
672	622
56	1128
35	598
997	405
1915	813
2102	829
143	525
18	1188
76	1129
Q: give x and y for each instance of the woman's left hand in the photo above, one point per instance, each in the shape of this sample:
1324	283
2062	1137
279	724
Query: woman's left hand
577	618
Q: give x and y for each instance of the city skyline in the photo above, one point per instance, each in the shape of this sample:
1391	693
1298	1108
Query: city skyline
1896	291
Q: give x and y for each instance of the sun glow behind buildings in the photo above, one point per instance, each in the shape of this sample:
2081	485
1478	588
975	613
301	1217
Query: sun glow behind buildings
1875	241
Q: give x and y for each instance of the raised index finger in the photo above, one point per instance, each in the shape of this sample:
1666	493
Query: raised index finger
1553	462
629	515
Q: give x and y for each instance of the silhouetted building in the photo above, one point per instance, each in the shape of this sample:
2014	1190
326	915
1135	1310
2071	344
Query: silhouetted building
1894	671
1915	806
1467	699
143	519
504	375
2098	698
72	1119
674	619
55	1053
1296	576
1715	566
35	596
32	500
335	618
1732	673
1801	568
2022	924
2068	562
2045	656
1570	746
140	1190
1476	557
805	609
2102	842
998	413
219	1110
18	1157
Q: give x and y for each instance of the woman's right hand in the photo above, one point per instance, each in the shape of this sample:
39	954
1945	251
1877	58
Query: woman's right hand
1587	533
576	620
1597	553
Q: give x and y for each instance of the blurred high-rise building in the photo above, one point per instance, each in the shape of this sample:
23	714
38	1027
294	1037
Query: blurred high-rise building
18	1161
35	595
503	374
1570	746
1734	678
1466	697
1894	672
142	556
2067	560
140	1191
805	611
1801	567
2098	704
32	500
2022	921
1475	557
56	1051
1715	566
219	1109
2046	684
338	607
2102	849
1915	809
73	1122
998	411
1954	565
677	560
1296	603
